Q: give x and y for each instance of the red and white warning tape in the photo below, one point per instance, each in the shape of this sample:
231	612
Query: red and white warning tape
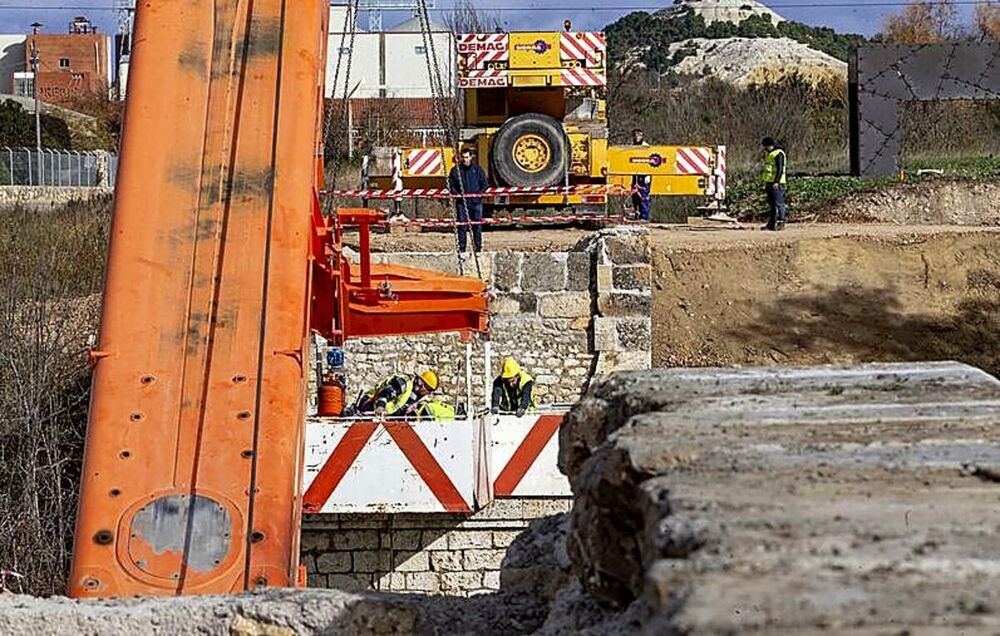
444	193
450	222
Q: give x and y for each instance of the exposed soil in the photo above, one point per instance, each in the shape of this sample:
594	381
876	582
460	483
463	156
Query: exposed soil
815	293
827	294
935	202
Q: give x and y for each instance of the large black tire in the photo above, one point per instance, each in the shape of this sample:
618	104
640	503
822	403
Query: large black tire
531	151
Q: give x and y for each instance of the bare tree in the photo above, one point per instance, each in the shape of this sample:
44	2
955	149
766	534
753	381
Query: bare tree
466	17
53	271
988	21
924	22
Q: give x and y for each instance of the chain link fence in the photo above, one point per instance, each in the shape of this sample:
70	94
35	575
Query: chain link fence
49	167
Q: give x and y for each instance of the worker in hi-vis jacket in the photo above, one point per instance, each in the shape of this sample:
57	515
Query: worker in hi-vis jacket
774	176
641	183
513	389
397	395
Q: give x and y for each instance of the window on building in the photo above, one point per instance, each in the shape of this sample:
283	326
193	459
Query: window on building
24	84
64	62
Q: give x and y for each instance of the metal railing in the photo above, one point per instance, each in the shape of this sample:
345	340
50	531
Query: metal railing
50	167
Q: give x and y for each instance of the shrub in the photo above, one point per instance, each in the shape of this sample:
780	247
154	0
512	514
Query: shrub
53	265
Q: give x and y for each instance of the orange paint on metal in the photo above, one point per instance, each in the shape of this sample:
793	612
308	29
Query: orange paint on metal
207	294
526	454
220	262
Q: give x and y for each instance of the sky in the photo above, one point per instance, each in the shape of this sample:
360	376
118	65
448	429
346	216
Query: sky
864	17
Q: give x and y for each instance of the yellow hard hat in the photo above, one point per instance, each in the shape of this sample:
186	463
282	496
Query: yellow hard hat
510	368
430	379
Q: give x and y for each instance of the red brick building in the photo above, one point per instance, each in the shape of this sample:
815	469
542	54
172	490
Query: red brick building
72	64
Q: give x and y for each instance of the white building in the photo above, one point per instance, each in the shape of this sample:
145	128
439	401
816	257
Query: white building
11	60
392	63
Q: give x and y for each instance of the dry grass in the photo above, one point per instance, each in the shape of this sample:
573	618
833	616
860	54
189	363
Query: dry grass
53	264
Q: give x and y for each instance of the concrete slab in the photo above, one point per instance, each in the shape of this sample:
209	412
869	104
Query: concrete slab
850	498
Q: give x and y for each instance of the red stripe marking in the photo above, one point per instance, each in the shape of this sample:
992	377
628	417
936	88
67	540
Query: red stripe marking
526	454
427	467
576	52
333	471
683	167
425	159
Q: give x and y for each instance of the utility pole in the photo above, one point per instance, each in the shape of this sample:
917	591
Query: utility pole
34	86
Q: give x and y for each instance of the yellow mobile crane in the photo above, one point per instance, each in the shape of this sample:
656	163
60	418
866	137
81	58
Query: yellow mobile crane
534	106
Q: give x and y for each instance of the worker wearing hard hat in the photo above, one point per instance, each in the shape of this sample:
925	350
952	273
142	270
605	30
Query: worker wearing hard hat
641	183
398	394
774	175
513	390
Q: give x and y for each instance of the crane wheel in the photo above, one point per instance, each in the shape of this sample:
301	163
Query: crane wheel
530	150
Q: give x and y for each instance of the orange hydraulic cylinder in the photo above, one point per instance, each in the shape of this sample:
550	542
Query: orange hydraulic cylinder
192	468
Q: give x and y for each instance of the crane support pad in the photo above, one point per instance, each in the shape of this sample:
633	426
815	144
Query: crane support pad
192	468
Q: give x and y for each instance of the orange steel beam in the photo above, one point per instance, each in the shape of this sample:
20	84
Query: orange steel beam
367	300
220	261
191	476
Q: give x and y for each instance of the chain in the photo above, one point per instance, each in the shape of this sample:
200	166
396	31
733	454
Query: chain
349	25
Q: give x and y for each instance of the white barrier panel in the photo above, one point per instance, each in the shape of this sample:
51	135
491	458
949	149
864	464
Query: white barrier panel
524	454
366	466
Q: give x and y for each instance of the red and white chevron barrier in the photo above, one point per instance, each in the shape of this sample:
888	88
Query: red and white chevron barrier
524	452
444	193
355	466
366	466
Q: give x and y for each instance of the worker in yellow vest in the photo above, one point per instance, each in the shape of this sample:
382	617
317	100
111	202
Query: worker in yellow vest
513	390
435	410
774	175
398	395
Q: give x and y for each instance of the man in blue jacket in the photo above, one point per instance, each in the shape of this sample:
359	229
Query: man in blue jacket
468	178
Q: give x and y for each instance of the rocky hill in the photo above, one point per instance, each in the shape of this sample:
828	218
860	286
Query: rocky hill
722	10
740	43
746	61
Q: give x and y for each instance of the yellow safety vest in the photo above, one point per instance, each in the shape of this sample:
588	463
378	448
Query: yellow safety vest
770	171
437	410
394	405
522	379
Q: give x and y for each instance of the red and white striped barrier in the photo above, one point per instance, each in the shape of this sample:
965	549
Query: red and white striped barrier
581	77
444	193
362	466
480	49
721	185
450	222
524	456
694	161
367	466
583	46
425	162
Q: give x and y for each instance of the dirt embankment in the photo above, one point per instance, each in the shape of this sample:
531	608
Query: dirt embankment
965	203
825	295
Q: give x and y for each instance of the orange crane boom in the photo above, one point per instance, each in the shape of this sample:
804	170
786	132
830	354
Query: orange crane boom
192	470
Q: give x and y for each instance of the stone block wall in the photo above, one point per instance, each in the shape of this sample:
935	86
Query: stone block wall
42	197
565	316
456	555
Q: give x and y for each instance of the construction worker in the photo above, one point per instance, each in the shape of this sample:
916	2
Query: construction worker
641	183
774	175
398	394
435	410
468	178
513	390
